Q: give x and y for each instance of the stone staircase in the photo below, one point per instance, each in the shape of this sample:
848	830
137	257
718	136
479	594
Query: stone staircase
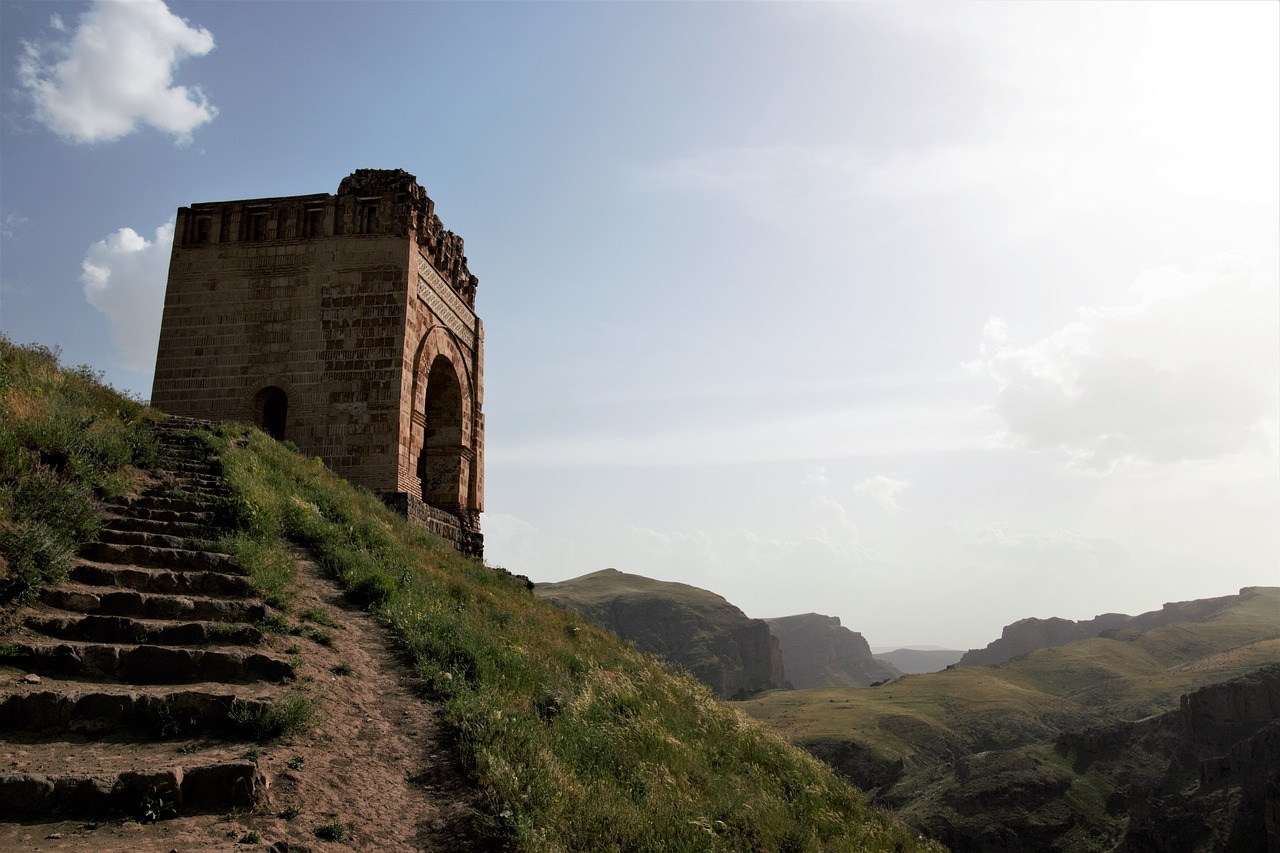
125	690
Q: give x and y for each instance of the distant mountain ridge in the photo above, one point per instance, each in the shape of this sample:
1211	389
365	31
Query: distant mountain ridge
1028	635
733	654
817	651
1140	739
916	661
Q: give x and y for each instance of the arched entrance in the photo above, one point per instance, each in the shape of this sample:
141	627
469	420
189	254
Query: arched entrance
271	410
444	465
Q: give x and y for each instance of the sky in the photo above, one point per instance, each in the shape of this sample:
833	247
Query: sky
929	316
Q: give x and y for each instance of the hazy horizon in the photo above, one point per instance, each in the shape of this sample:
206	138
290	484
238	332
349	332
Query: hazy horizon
931	317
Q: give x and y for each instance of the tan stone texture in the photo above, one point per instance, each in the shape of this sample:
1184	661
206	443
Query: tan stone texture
343	323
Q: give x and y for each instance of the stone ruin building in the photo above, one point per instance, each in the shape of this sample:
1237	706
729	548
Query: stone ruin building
345	324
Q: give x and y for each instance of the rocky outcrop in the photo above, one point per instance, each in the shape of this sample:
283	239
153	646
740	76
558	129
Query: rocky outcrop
817	651
1028	635
697	629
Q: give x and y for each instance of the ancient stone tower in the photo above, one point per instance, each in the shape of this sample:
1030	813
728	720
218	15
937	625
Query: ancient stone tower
345	324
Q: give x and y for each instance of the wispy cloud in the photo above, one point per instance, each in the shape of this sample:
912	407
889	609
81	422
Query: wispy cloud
1165	106
116	71
819	435
124	277
1189	370
883	490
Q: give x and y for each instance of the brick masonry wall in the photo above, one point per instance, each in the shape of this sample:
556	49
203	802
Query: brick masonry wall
344	303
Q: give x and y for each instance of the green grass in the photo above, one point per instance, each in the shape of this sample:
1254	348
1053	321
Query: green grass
66	442
288	714
578	741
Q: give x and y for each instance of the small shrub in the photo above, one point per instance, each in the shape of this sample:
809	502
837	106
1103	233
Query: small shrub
342	669
318	616
291	713
156	805
290	812
250	837
372	590
331	832
274	624
321	637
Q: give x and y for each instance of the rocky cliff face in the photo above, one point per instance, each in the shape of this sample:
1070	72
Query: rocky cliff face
817	651
1027	635
697	629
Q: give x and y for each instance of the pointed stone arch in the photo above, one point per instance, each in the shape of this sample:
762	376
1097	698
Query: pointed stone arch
441	434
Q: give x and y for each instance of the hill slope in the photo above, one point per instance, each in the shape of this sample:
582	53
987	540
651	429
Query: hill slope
574	740
697	629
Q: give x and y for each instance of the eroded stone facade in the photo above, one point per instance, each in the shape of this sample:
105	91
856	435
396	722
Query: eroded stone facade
344	323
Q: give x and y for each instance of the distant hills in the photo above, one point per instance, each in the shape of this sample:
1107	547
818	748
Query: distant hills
912	661
1028	635
1162	733
817	651
734	655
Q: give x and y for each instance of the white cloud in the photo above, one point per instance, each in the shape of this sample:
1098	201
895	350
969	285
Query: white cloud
818	477
884	490
521	547
1111	108
124	277
812	435
115	71
1189	371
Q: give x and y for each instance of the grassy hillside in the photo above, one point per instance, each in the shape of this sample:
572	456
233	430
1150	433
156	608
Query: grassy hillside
65	440
579	742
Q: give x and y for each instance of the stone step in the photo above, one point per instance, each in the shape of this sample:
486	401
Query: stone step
164	528
55	709
152	795
208	487
147	664
210	584
117	536
122	629
201	518
151	501
181	559
77	598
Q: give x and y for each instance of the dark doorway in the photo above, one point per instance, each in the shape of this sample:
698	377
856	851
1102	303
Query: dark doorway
271	406
442	465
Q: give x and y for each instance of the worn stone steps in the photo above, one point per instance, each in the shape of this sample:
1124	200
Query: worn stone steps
167	581
141	715
189	517
149	640
78	598
184	503
191	529
150	556
148	794
145	664
123	629
153	538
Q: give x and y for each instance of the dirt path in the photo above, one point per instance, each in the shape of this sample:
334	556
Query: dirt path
376	762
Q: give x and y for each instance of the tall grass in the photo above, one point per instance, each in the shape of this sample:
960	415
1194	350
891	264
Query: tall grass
66	441
578	741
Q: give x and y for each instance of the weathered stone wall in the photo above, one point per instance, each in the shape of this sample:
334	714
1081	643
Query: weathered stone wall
345	324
